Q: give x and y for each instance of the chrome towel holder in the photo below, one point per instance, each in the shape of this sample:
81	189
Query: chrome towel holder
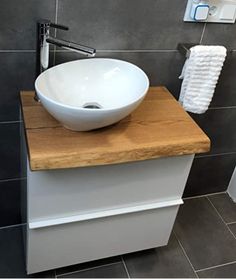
184	49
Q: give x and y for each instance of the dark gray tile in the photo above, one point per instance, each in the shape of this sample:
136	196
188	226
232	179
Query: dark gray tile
18	22
115	270
133	24
226	87
88	265
232	227
219	125
226	37
225	206
227	271
17	72
162	68
12	264
204	236
210	175
10	151
23	151
10	210
162	262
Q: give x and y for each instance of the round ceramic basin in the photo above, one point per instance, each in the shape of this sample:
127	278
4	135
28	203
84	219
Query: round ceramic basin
92	93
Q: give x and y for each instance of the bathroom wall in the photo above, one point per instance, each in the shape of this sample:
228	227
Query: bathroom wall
145	32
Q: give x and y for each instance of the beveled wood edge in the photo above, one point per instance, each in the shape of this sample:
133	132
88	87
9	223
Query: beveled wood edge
36	164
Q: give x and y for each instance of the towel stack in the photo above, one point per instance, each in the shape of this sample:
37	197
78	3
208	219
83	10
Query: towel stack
200	76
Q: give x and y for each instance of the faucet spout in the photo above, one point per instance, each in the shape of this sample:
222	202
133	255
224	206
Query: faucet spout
91	52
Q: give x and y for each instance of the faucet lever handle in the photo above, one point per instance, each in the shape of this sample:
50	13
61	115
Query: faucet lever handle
59	26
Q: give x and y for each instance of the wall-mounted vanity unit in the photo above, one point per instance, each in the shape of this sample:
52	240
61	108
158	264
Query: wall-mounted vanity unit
112	191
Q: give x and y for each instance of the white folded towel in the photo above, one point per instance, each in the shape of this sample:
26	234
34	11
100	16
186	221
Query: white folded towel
200	75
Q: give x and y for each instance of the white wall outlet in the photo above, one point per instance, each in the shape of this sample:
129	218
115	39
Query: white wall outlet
221	11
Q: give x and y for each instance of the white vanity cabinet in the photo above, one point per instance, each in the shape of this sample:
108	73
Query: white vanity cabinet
84	214
92	195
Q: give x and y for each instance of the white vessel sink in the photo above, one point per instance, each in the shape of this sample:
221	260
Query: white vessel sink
88	94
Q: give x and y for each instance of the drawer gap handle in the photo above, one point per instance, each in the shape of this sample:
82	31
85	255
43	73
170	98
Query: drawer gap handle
103	214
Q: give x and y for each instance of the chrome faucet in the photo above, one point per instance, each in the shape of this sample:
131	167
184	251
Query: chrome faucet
44	40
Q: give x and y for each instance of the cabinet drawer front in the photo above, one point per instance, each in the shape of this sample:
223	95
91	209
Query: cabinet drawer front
62	193
72	243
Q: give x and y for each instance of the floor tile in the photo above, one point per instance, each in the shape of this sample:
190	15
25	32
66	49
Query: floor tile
225	206
227	271
88	265
12	263
205	238
232	227
116	270
163	262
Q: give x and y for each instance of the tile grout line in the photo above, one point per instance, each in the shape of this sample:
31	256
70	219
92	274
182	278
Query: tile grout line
203	196
17	50
231	231
55	33
11	122
221	218
110	50
215	266
125	266
98	50
185	254
12	179
203	32
126	50
215	155
226	107
85	269
12	226
56	12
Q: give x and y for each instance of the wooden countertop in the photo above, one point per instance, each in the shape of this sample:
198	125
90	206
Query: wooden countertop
159	127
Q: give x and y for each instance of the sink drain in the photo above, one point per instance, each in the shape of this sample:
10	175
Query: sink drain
92	106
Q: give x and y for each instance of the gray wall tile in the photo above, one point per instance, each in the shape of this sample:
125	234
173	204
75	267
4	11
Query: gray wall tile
220	34
12	263
18	21
17	72
226	87
111	25
210	174
9	151
10	211
133	24
219	125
